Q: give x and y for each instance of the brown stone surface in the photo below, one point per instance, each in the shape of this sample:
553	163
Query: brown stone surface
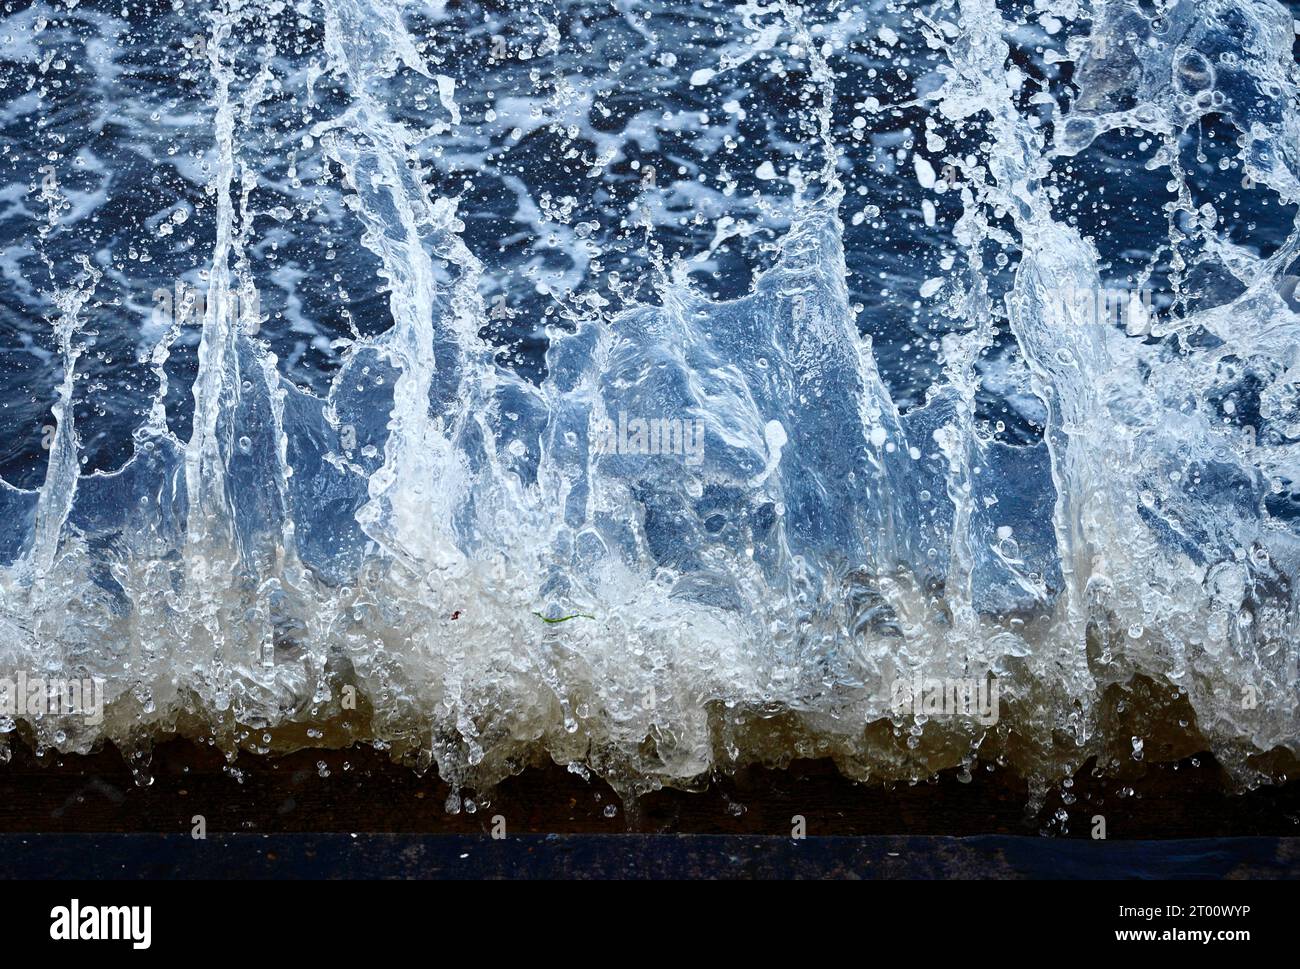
362	791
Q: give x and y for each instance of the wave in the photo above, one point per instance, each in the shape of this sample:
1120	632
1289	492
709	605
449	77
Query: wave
695	528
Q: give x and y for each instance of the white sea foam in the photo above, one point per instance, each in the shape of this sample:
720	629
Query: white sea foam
447	538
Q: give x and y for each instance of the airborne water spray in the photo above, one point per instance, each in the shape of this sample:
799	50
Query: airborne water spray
842	250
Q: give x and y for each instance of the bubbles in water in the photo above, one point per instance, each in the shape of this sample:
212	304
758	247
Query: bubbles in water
658	385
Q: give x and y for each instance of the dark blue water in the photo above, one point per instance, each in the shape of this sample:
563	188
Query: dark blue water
314	316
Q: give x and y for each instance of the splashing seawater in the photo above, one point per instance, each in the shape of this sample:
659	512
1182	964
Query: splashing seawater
655	386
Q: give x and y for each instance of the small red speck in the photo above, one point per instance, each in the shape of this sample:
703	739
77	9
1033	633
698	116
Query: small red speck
456	614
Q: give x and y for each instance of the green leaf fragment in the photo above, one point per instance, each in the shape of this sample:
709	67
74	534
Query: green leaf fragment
576	615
